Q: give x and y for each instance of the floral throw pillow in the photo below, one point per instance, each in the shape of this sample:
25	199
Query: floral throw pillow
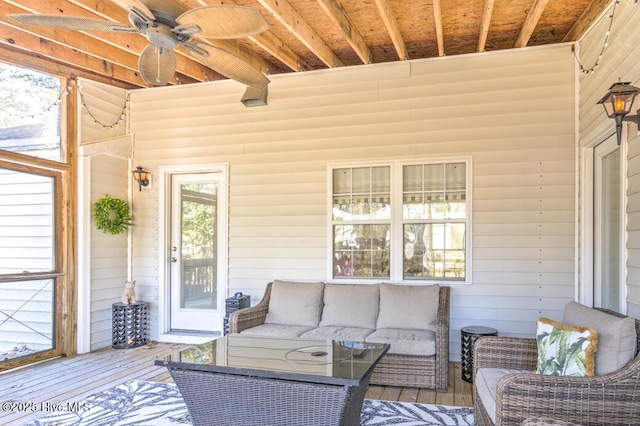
565	350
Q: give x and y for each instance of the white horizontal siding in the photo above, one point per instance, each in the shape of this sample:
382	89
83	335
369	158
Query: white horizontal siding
512	112
109	253
100	108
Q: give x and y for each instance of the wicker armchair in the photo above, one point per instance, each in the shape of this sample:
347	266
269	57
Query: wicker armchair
611	399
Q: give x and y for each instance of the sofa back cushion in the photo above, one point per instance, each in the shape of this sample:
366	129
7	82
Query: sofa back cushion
350	305
409	307
616	336
294	303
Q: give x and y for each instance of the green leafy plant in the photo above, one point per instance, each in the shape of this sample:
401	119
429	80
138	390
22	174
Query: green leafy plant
112	215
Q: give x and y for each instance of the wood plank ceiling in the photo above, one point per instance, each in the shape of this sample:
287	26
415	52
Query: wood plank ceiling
304	34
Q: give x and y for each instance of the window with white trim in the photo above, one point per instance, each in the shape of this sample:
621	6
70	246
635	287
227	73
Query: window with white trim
401	221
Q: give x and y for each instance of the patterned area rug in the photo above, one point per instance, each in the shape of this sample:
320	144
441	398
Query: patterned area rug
159	404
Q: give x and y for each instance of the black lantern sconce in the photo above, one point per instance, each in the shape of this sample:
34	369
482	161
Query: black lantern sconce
141	176
617	103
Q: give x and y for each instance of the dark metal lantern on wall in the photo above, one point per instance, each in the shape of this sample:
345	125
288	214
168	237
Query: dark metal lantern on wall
141	176
618	102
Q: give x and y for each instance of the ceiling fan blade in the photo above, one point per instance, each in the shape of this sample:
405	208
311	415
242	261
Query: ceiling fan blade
72	23
136	5
225	22
228	65
157	65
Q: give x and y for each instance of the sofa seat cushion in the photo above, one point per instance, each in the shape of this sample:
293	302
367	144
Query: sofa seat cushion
486	383
354	334
350	305
406	341
277	330
616	336
295	303
408	307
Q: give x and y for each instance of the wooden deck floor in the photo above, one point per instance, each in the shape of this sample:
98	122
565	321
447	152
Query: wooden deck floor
72	379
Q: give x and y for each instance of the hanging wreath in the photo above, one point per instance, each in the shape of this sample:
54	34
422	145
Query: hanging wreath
112	215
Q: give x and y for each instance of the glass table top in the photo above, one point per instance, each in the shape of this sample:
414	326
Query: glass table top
322	361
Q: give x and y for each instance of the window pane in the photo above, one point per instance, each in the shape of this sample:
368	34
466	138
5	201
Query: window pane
456	176
380	180
26	222
27	324
434	177
30	119
341	181
434	250
361	194
361	251
442	195
361	182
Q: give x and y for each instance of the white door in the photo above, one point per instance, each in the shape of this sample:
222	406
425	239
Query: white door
609	248
197	279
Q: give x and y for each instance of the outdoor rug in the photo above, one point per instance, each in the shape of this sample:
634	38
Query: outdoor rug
159	404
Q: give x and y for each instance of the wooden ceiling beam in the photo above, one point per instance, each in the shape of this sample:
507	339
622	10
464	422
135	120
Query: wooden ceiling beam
283	53
530	22
437	16
86	45
25	42
291	19
485	21
265	40
390	22
27	59
582	24
337	14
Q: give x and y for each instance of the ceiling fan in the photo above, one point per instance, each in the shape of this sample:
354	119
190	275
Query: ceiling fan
167	24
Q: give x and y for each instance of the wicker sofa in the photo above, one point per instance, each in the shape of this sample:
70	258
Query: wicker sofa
507	391
414	320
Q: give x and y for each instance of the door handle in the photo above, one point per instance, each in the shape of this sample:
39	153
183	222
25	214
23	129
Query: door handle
173	259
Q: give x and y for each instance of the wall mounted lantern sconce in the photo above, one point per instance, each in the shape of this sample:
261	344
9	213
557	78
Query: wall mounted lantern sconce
141	176
617	103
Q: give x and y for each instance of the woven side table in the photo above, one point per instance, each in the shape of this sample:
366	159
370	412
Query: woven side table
468	337
130	325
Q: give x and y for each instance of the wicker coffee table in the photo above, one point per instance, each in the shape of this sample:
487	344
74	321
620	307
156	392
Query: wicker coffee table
240	380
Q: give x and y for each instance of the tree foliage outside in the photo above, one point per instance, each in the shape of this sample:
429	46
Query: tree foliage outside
29	97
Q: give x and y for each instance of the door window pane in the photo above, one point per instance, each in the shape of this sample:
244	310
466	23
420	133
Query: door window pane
199	242
610	233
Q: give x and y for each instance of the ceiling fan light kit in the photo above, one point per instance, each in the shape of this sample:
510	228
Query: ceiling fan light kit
166	25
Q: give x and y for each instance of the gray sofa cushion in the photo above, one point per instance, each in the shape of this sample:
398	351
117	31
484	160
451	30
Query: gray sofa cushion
350	305
354	334
295	303
408	307
406	342
277	330
616	336
486	383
